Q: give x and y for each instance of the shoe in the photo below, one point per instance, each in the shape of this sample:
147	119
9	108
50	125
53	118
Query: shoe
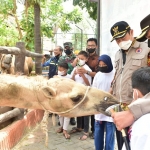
92	135
72	121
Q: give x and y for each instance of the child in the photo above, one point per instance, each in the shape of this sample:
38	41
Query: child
64	121
85	79
139	132
102	81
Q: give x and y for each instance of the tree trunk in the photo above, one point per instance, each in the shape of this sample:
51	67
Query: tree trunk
37	38
20	59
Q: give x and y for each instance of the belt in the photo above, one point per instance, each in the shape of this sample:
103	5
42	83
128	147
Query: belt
98	121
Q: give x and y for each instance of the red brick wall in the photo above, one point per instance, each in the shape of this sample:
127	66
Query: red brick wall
12	134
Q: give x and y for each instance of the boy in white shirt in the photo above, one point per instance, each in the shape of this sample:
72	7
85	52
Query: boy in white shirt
64	121
85	79
139	132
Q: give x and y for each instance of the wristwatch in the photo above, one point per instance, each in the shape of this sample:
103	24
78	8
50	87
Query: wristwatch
88	72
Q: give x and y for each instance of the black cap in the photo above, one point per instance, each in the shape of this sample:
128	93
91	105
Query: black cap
69	44
145	26
119	29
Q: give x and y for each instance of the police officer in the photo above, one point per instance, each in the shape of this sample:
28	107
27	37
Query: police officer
131	56
53	61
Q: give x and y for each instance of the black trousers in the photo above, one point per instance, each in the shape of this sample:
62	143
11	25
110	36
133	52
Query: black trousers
92	123
83	122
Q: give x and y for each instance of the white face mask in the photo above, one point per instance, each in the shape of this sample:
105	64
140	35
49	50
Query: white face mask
125	44
137	95
81	62
61	73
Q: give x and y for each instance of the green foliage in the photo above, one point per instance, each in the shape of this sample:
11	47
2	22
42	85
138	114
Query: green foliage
76	39
8	36
91	7
27	24
52	17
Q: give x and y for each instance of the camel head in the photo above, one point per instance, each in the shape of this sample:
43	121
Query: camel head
68	98
58	95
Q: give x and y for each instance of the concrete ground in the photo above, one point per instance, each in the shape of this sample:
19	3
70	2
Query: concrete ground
35	140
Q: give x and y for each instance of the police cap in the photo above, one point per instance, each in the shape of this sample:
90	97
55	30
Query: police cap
69	44
119	30
145	26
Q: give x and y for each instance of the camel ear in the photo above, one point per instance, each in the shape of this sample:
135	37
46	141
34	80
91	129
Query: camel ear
49	92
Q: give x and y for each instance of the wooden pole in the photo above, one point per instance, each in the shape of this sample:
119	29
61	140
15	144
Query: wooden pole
20	59
10	114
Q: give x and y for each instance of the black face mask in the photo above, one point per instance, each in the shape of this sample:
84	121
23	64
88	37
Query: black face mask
91	50
102	69
68	51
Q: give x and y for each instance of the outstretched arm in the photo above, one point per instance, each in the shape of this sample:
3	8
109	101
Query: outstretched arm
137	109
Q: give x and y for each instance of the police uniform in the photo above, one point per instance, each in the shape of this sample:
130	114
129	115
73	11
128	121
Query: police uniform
126	62
140	108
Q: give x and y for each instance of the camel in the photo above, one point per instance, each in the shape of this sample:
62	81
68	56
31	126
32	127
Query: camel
57	95
7	64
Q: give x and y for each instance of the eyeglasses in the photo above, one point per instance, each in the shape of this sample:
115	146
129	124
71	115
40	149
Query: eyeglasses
91	46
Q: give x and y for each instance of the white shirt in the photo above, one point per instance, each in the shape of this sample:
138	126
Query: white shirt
140	135
67	76
103	81
79	79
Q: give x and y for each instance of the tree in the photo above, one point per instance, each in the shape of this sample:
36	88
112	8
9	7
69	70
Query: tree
91	7
62	20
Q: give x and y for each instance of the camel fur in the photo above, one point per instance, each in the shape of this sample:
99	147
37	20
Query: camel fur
7	64
56	95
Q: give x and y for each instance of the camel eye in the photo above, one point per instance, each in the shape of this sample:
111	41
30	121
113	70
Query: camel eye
105	98
77	98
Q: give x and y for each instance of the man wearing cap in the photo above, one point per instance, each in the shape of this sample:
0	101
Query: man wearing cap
53	61
136	109
131	56
145	27
68	58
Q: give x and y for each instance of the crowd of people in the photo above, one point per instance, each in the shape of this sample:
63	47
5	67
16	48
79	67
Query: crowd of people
128	81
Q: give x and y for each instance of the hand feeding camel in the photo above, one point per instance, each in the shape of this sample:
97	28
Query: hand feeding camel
58	95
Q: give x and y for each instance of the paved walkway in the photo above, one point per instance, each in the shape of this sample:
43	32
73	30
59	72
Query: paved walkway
35	140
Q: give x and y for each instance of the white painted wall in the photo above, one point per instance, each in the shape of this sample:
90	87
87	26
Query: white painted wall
112	11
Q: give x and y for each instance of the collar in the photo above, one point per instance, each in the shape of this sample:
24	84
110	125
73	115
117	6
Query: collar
135	44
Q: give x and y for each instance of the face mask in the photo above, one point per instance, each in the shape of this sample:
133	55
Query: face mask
68	51
61	73
91	50
81	62
135	91
103	69
125	44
